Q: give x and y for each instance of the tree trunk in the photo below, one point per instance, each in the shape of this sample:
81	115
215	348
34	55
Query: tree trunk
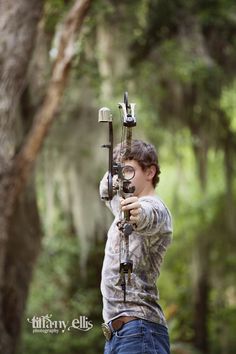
19	236
201	251
22	249
201	294
201	263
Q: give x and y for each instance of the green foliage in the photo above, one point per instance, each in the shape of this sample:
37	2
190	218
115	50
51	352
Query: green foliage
185	95
222	330
54	11
228	104
59	289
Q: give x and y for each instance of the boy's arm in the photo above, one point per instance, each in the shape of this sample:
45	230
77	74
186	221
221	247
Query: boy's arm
113	204
103	187
149	217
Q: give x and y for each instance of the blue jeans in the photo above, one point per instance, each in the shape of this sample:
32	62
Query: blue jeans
139	337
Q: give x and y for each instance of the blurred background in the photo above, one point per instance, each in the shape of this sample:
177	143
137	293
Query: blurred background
177	60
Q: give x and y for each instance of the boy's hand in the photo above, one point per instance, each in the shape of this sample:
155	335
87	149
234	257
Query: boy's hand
132	204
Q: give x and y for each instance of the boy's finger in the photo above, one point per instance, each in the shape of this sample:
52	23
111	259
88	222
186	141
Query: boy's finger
135	212
129	200
131	206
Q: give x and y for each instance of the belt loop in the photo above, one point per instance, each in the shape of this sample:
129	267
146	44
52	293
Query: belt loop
111	328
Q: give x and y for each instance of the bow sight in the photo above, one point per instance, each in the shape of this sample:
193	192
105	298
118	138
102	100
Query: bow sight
124	175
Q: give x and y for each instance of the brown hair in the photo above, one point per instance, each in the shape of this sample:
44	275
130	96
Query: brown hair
144	153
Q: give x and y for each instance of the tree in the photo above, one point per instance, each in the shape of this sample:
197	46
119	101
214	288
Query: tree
19	223
183	62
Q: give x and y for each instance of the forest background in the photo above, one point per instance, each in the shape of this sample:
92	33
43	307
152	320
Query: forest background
177	59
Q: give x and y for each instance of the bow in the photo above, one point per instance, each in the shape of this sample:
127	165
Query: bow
122	186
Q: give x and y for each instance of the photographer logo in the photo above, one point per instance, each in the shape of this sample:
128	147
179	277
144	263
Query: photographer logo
44	324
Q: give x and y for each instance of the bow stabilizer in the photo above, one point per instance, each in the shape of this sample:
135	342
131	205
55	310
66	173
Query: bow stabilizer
105	116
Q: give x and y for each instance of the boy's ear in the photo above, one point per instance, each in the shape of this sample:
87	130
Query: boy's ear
151	171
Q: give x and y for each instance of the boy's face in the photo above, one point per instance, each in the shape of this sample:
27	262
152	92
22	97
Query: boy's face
142	180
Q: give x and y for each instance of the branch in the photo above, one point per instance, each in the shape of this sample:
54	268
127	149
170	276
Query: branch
24	160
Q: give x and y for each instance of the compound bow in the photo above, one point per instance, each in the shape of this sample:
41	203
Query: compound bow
122	186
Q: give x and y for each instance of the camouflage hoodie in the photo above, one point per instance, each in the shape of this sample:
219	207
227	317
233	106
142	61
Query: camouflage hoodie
147	246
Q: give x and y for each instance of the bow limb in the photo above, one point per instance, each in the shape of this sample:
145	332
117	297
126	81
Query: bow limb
129	121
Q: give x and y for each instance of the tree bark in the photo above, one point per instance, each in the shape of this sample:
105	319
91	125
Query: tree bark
201	258
18	27
201	294
22	248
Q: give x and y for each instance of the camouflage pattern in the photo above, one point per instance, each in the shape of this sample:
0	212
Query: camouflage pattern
147	246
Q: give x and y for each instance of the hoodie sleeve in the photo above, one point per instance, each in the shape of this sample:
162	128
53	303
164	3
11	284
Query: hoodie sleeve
155	217
103	187
113	204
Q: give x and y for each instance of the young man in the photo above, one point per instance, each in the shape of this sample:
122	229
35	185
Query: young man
138	325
